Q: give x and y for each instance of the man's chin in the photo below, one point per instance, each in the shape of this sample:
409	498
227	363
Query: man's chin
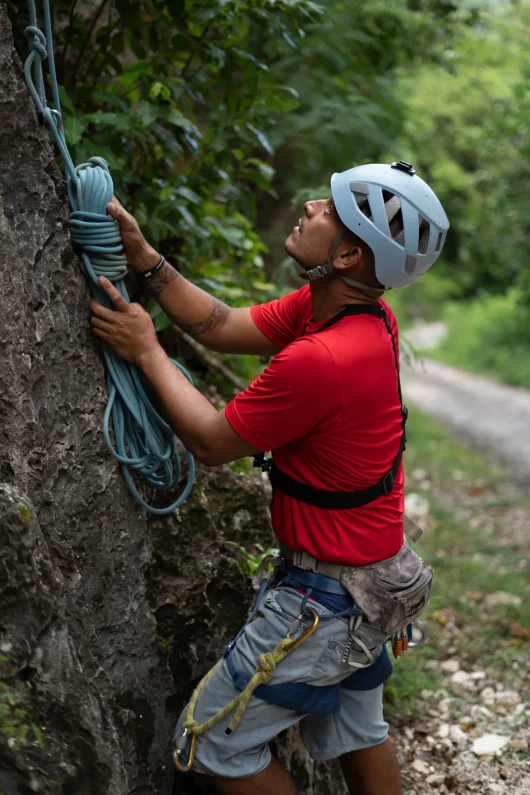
290	248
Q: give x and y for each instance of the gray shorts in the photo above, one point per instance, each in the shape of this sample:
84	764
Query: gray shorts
317	661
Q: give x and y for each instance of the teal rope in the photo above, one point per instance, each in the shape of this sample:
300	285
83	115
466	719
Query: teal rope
138	428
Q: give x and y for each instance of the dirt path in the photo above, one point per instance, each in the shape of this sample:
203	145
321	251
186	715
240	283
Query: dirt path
473	730
470	734
493	417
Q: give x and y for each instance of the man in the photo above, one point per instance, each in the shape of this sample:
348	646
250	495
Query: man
329	407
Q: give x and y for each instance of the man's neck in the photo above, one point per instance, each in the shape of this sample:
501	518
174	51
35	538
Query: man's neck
329	296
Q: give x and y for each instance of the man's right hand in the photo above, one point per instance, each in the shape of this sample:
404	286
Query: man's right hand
140	255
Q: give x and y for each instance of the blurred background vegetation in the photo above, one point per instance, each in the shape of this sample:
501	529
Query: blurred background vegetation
219	117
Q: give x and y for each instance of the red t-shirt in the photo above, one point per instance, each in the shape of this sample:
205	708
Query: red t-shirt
328	408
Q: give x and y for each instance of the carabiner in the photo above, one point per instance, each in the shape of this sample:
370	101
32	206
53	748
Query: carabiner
179	749
59	122
419	636
309	631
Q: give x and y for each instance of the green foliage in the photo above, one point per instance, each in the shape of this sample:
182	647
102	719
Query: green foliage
15	722
248	562
467	128
188	102
490	336
212	128
25	513
179	99
242	466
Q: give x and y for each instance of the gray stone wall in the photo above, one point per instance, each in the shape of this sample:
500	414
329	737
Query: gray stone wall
108	618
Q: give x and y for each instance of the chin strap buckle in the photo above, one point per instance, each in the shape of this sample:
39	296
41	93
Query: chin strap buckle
318	273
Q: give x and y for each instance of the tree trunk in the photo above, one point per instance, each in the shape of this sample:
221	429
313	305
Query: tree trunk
108	617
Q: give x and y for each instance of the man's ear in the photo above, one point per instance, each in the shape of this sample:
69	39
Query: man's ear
348	258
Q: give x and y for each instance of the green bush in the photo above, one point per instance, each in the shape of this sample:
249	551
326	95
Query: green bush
490	335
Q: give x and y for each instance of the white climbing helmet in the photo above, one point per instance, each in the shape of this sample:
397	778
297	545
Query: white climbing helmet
383	191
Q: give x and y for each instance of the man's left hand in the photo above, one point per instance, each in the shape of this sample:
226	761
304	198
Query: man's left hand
128	329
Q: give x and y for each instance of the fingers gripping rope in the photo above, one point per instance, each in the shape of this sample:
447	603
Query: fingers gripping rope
144	442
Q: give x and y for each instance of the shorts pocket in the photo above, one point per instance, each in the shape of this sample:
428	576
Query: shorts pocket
287	603
329	665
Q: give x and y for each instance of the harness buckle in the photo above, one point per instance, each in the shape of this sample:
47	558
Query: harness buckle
305	561
261	461
388	482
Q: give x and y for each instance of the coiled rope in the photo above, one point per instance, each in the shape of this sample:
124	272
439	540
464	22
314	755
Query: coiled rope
145	443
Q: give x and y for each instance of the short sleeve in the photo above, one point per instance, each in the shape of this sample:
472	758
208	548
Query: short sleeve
298	390
284	319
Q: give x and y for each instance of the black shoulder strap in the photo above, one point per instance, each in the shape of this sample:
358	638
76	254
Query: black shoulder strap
340	500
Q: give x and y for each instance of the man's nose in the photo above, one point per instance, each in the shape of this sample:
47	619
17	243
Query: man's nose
309	208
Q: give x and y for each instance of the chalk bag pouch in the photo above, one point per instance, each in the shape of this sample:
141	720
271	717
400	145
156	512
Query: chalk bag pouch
392	592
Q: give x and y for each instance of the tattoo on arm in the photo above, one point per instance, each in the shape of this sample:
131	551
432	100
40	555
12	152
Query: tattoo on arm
217	315
162	278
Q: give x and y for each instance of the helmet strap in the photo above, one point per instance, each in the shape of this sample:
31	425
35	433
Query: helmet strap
375	291
325	270
320	271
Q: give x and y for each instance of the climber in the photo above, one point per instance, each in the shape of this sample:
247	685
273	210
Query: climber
329	407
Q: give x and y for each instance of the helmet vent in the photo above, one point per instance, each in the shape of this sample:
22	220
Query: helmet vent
425	235
363	203
394	217
439	242
410	265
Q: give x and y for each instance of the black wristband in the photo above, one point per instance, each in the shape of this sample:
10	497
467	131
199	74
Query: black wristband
154	269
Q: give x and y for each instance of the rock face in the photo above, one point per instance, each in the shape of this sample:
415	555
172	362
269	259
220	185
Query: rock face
108	618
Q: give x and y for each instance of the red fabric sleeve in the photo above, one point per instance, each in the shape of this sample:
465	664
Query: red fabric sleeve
284	319
299	389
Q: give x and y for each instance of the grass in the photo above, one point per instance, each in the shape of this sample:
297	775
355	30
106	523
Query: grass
489	336
467	544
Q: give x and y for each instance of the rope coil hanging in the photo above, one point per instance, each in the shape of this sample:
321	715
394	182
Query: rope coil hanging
144	442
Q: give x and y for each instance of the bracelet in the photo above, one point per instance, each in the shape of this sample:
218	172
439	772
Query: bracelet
154	269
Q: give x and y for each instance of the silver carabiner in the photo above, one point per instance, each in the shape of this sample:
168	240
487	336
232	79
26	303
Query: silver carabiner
419	634
59	123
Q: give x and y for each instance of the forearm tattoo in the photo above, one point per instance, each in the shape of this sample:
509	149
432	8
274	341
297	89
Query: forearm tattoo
162	278
217	315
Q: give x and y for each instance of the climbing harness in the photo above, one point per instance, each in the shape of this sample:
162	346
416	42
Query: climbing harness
145	443
296	696
340	500
265	671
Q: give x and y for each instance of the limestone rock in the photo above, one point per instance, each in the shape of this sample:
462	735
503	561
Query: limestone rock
502	598
489	744
507	698
421	767
458	736
450	666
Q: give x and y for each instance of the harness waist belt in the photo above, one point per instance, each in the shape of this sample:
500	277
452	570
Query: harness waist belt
302	561
312	579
